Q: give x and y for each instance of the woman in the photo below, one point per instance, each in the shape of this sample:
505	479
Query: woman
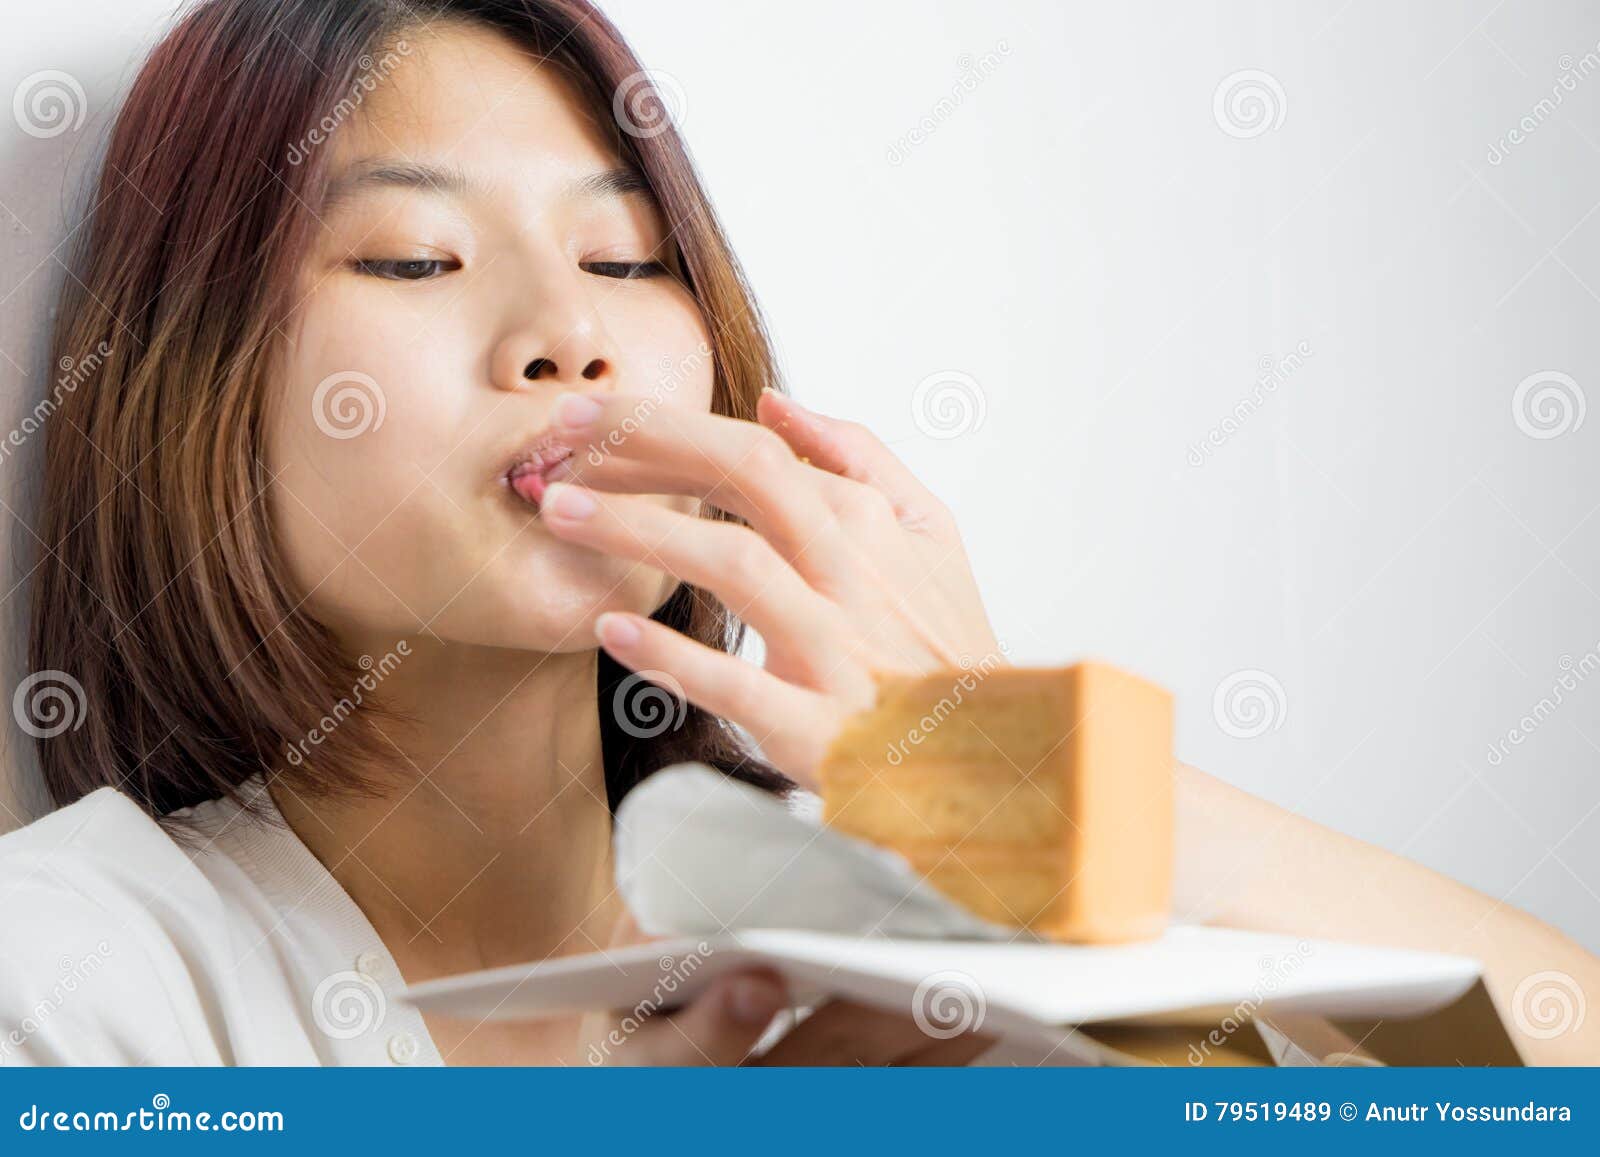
432	415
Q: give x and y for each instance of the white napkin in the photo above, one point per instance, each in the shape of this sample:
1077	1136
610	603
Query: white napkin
700	853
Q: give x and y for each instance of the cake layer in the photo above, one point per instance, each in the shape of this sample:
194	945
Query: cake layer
914	801
1038	797
909	720
1007	883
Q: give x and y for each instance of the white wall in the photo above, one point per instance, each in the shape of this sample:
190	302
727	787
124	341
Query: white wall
1081	235
62	67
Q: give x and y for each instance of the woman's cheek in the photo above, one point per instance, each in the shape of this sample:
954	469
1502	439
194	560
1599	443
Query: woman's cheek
349	445
667	344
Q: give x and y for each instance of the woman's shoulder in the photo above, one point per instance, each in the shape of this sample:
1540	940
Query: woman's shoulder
216	937
102	814
101	911
101	849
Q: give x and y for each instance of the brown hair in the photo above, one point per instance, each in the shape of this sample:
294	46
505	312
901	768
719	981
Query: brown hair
160	588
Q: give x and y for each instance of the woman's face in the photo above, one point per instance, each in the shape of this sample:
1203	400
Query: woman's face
478	256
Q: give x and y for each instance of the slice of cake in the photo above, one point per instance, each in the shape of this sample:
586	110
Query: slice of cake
1035	797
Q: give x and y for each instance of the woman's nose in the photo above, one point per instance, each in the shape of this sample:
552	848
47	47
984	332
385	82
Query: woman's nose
549	368
559	347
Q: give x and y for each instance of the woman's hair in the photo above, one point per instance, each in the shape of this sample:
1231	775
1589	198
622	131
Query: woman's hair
161	587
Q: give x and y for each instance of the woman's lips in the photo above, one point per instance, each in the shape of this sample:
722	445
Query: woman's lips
527	475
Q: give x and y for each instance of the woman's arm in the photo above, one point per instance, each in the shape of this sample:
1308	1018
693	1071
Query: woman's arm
850	566
1249	864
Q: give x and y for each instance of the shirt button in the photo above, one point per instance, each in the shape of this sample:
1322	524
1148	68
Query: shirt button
370	964
403	1048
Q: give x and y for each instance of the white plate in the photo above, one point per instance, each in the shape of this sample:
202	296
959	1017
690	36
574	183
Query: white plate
731	877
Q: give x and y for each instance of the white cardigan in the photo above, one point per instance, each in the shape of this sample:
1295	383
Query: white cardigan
120	946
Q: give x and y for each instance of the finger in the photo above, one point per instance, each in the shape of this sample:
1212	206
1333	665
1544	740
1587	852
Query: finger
791	725
719	1027
956	1051
850	450
735	465
732	561
843	1032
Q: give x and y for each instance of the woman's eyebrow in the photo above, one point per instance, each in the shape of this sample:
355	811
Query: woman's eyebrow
450	181
621	181
384	173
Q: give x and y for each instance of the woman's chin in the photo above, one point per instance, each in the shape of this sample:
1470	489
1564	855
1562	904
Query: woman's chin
553	607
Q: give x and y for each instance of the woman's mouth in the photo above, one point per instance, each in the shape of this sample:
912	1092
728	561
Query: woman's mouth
528	474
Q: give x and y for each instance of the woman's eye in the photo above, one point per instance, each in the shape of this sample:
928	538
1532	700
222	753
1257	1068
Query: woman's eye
626	270
407	269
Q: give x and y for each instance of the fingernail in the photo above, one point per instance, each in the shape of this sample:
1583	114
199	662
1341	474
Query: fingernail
616	631
576	411
754	1001
564	500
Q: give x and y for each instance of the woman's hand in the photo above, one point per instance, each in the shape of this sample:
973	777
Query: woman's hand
848	566
726	1021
